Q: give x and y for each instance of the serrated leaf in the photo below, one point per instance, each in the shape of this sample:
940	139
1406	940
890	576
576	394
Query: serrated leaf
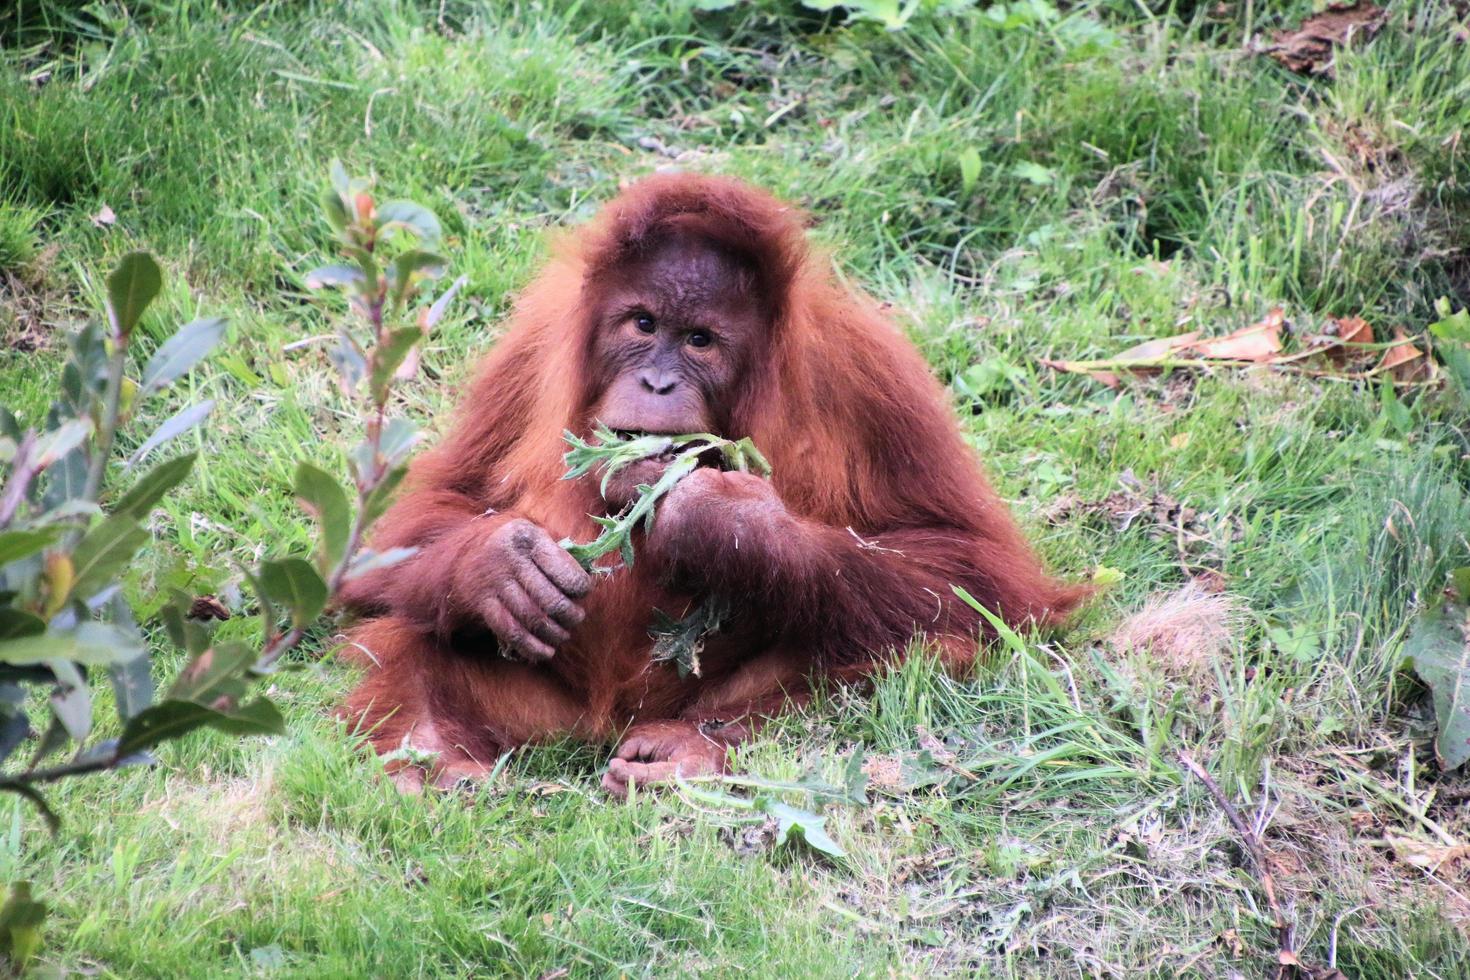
176	355
104	552
169	720
415	217
294	584
131	287
91	643
153	485
1438	650
326	499
20	544
176	425
794	822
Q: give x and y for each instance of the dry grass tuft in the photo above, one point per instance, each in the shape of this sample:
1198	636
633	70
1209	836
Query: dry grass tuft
1183	631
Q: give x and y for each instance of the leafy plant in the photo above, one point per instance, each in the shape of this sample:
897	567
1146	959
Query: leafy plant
788	822
677	641
63	613
613	452
1438	650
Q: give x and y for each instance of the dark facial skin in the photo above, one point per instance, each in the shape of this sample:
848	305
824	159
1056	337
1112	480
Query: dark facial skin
674	333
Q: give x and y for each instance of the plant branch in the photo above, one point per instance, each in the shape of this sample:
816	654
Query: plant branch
22	472
107	431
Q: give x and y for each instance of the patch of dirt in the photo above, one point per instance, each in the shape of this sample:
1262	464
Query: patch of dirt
1199	537
1311	49
32	310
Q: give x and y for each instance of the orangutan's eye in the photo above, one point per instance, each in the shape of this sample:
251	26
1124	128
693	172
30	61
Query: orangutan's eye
643	322
700	339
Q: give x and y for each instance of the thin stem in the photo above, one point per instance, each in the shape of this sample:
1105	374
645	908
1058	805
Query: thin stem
22	472
112	398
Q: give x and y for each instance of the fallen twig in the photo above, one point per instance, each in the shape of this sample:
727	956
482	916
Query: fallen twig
1286	956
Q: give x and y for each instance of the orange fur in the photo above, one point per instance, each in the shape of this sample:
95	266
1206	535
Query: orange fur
867	457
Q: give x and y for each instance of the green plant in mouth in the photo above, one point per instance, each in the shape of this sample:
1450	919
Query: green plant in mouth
614	451
679	641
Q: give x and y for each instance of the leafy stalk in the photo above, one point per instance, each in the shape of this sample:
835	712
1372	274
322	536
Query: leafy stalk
676	641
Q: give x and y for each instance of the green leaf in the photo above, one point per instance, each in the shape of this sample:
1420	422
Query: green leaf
153	485
20	544
15	727
91	643
1460	582
17	622
293	583
435	312
803	825
20	922
1395	412
180	422
53	445
170	720
415	217
176	355
218	672
132	686
71	700
130	288
341	181
389	355
53	822
382	495
397	440
1438	650
413	263
327	501
104	552
969	168
66	481
372	561
334	275
1034	173
336	211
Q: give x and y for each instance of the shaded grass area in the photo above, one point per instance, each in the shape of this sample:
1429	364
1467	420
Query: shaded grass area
1140	173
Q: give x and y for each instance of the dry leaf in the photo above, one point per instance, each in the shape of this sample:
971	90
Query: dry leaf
1310	48
1404	361
208	607
1421	854
1259	342
104	217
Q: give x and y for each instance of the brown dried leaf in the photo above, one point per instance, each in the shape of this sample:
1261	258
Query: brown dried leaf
1422	854
1258	343
1403	361
1310	49
206	607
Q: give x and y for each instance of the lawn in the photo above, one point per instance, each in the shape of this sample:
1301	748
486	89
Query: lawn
1023	186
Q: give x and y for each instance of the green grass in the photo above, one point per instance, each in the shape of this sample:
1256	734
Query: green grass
1159	179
